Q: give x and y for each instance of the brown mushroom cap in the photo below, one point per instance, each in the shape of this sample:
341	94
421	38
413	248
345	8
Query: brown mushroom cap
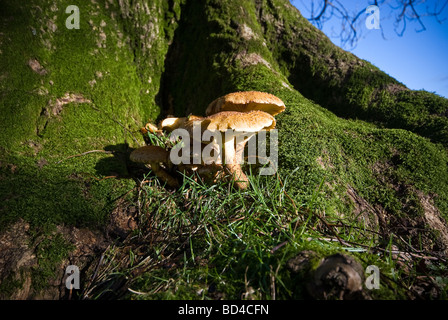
150	154
151	128
172	123
252	121
246	101
153	155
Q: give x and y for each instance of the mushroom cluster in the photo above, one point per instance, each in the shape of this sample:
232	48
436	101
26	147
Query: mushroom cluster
243	114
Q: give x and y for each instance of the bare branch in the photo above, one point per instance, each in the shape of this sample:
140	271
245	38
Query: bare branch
405	12
324	8
417	16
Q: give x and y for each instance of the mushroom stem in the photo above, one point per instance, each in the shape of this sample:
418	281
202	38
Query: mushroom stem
239	177
232	164
163	175
240	147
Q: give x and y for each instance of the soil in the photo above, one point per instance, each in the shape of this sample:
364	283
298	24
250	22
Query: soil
18	254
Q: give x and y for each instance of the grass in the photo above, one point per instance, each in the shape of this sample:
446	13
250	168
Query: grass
211	241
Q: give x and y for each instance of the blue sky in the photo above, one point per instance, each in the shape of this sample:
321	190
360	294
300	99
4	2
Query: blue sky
419	60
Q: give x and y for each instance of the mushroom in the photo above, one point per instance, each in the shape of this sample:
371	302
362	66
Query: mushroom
149	127
241	124
246	101
154	155
172	123
246	113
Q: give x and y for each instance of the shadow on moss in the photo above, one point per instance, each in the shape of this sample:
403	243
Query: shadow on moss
117	164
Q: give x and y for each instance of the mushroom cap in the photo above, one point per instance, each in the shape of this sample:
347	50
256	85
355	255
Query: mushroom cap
172	123
246	101
150	127
149	154
252	121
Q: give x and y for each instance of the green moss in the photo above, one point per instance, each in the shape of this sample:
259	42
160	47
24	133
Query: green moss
116	73
50	252
9	285
57	194
396	157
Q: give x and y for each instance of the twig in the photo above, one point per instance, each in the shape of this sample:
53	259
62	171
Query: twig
83	154
350	243
279	246
272	283
136	292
